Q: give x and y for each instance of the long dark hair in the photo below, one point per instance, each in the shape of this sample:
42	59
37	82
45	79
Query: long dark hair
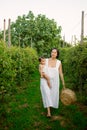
57	52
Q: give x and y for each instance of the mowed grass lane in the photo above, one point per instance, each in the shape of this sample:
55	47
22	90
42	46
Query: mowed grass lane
25	111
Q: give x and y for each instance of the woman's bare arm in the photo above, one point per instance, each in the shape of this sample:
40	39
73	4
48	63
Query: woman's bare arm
61	75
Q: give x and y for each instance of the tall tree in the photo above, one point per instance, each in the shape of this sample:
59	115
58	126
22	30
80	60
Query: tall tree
39	32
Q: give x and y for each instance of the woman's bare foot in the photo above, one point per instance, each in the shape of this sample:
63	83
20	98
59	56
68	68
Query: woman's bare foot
48	112
48	115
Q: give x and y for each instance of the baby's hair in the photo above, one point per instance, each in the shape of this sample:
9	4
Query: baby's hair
40	58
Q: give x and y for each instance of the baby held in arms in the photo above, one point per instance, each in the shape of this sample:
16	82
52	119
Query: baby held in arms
42	70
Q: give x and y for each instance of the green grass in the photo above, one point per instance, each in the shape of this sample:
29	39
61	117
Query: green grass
24	111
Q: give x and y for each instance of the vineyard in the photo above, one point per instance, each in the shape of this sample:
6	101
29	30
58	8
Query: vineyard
20	98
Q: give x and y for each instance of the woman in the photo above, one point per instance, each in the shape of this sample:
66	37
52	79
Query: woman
50	96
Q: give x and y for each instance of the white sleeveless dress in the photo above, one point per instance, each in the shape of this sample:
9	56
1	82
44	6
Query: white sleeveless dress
50	96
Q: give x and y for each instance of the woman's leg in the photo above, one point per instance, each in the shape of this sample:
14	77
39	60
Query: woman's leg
48	112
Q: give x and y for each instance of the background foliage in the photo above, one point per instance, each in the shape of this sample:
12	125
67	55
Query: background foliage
74	61
38	32
16	66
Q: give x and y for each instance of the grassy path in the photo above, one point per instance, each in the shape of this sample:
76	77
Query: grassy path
25	112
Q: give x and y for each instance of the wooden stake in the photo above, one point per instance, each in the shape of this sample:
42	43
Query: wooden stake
9	33
82	27
4	29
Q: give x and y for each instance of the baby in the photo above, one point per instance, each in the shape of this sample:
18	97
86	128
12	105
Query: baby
42	70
